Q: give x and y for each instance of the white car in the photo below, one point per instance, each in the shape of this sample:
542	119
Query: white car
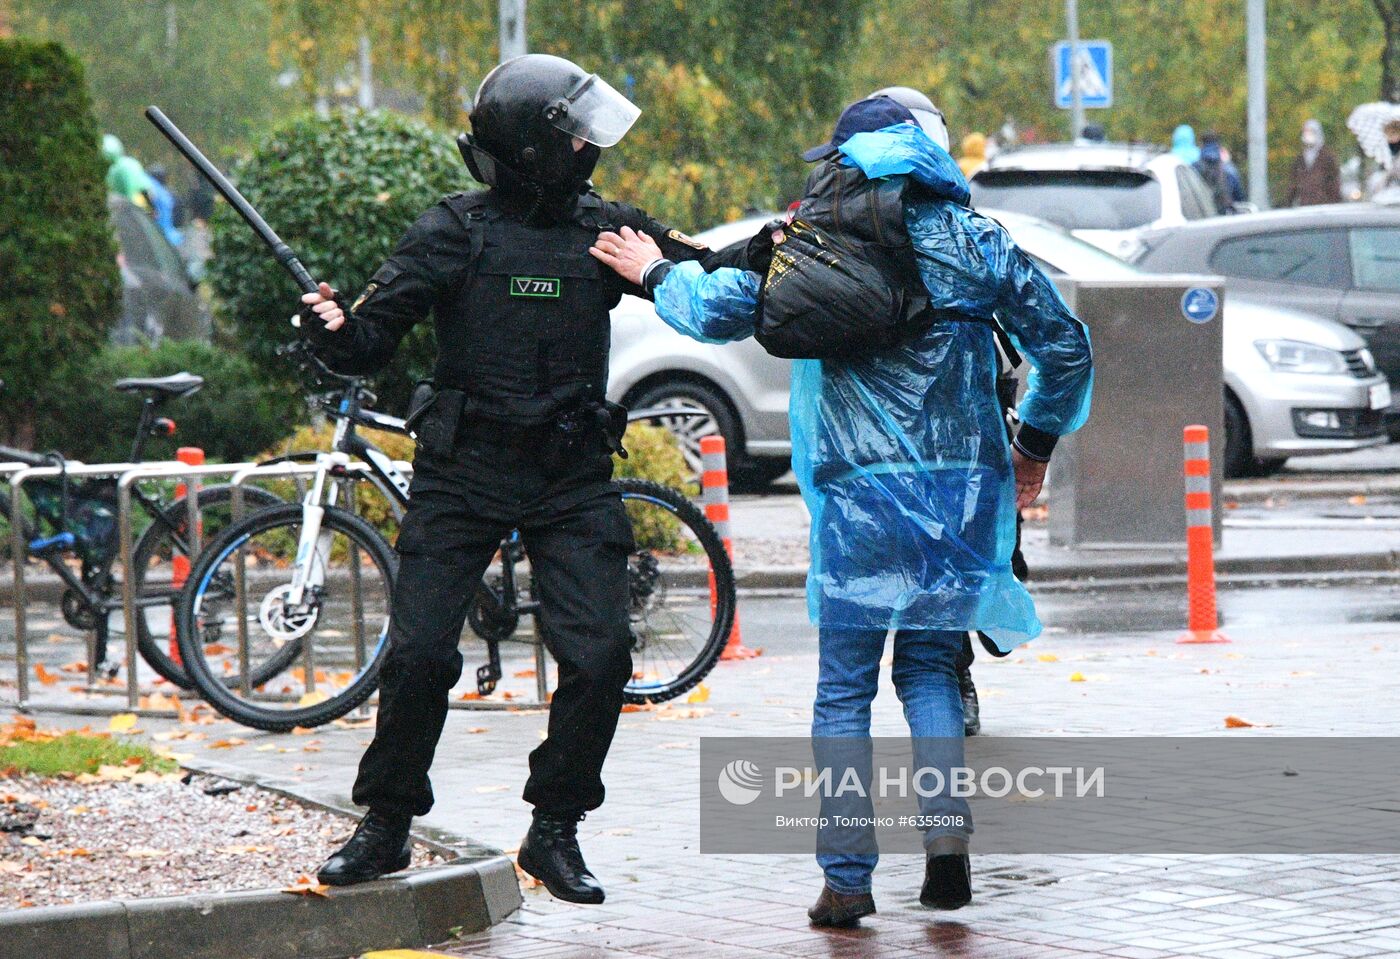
1102	193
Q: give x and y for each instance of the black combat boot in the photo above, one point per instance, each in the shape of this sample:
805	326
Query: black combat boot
947	874
379	846
972	712
841	909
550	853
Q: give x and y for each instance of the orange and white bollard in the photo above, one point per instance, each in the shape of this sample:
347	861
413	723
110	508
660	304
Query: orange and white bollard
179	562
1202	619
714	490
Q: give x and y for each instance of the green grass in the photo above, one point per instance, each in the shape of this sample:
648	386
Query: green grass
74	753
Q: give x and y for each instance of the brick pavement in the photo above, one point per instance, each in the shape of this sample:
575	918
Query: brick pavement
1322	673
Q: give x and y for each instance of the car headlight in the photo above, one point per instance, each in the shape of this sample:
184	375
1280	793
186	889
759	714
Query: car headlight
1290	356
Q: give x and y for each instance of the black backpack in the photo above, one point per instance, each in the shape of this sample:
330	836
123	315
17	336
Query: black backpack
843	280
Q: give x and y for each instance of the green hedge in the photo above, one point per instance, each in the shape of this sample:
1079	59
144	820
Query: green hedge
61	290
233	417
340	190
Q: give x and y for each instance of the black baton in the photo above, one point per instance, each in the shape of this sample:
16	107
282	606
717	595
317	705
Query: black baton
229	192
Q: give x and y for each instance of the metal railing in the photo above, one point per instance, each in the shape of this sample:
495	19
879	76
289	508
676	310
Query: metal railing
128	475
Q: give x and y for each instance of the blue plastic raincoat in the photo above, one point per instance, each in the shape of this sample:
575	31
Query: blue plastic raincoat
902	455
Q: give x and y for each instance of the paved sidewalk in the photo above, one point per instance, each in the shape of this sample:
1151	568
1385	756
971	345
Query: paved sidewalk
666	900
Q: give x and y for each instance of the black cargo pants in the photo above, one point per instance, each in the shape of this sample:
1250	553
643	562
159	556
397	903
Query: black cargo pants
578	538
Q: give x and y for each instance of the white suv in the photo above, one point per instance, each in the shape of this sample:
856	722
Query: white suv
1102	193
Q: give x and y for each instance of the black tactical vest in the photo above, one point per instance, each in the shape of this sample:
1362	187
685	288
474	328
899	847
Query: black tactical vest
527	334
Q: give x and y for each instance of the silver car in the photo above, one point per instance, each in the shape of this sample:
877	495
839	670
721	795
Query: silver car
1295	384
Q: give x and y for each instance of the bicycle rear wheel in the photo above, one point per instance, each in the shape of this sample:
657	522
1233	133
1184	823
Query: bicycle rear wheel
238	615
682	592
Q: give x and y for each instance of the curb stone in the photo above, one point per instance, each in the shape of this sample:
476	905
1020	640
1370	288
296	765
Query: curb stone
1170	568
419	909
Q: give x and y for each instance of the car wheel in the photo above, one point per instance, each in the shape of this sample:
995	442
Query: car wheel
1239	442
718	418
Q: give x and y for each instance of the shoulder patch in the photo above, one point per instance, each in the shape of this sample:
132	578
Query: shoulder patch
680	237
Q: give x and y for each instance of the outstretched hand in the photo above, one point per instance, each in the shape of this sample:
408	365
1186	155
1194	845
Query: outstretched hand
628	253
323	304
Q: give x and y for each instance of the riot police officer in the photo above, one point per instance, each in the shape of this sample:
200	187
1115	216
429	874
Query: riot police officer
517	435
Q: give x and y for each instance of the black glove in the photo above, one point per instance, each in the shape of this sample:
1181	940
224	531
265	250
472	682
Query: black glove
313	328
759	251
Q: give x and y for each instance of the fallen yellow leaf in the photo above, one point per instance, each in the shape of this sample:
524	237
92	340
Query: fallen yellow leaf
306	886
1048	658
122	723
700	695
312	698
1076	677
229	743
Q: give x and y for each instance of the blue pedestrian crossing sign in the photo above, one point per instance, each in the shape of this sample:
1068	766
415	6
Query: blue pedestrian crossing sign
1094	64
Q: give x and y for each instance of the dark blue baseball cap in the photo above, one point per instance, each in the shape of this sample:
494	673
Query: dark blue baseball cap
863	116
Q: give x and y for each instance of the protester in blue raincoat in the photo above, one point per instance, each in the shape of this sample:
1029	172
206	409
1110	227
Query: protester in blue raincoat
903	461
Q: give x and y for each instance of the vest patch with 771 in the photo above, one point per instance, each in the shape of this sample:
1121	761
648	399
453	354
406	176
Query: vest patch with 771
542	286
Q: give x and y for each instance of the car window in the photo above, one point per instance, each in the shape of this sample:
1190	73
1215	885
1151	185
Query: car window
1073	199
1196	203
1309	257
1375	259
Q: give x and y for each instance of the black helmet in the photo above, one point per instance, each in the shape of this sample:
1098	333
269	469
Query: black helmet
524	117
929	117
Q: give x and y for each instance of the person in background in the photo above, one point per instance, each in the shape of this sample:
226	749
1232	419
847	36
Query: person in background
974	154
163	205
125	175
1384	183
1184	144
1220	174
1317	176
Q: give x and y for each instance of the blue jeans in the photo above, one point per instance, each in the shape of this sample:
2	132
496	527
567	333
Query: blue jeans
925	678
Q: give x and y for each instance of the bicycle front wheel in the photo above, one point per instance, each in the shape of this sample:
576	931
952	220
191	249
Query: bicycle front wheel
681	585
163	547
241	612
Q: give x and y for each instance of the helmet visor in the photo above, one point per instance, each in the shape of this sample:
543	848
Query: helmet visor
593	111
933	124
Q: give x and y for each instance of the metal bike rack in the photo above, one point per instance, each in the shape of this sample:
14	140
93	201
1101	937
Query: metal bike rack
19	554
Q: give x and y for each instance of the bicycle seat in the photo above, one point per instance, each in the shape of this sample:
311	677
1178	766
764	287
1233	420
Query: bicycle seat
176	384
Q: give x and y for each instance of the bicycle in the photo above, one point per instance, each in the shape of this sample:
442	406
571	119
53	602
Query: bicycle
319	572
78	521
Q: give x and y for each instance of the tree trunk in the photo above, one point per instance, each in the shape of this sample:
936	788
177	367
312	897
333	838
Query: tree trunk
1390	56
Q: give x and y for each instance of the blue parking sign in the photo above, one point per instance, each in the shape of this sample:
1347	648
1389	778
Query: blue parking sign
1095	67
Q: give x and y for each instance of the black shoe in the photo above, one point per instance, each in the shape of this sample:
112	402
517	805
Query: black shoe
841	909
947	875
972	711
550	853
379	846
